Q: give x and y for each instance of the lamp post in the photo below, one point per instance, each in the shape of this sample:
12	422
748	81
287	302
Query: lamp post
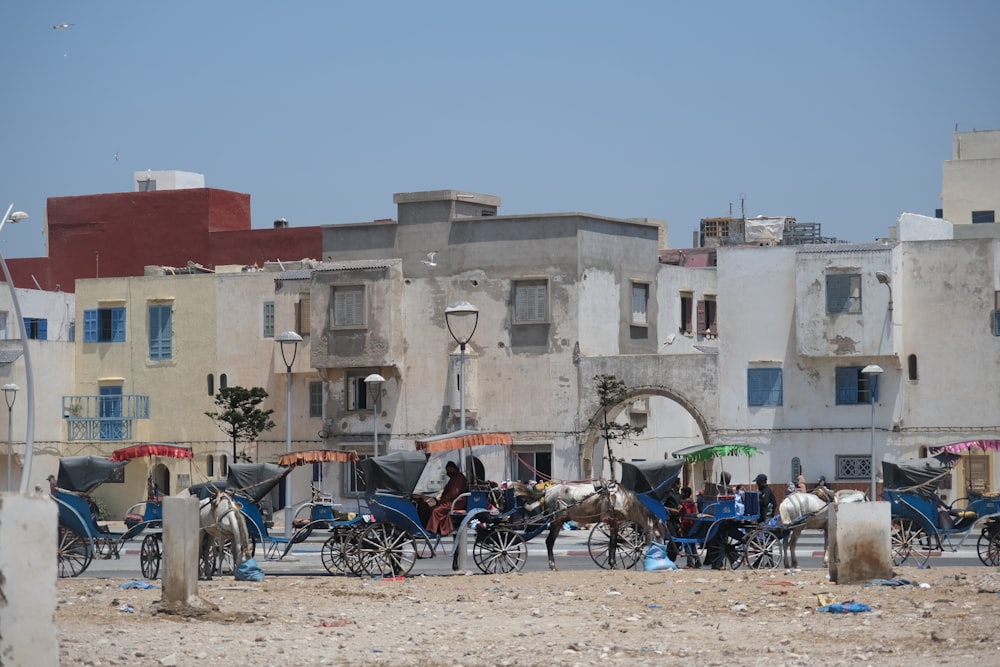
462	318
10	395
872	371
288	339
29	437
374	384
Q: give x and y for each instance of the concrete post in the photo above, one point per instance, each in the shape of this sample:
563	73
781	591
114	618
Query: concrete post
28	563
181	537
860	536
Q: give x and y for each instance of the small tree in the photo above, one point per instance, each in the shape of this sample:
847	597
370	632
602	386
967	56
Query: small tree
239	417
611	391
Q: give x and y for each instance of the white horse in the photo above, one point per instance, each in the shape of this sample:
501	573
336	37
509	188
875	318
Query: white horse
222	526
809	510
590	502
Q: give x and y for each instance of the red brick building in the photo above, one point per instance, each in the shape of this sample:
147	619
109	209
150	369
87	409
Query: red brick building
118	234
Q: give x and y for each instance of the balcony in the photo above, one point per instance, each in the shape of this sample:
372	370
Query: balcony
107	417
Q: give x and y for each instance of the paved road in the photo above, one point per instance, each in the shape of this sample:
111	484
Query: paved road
571	554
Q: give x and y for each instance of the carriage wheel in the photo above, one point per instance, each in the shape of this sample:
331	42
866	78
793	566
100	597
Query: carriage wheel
150	555
500	551
760	550
338	552
733	551
911	541
104	548
386	551
629	550
988	545
74	552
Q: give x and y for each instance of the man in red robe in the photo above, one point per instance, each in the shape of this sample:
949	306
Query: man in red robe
440	521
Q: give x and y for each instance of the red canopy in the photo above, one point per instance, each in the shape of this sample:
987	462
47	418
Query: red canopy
152	449
959	447
461	440
317	456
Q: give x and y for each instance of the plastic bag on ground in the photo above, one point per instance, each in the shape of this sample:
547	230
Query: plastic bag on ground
657	559
248	570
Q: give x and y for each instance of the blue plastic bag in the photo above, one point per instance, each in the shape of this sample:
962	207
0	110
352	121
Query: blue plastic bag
248	570
846	608
657	559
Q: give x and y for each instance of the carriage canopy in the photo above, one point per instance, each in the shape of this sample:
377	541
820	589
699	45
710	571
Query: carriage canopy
83	474
255	480
700	453
152	449
398	472
462	439
651	476
317	456
960	447
925	473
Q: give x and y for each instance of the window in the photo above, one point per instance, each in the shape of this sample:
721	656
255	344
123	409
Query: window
223	381
3	325
854	467
796	467
640	300
161	332
687	306
104	325
352	482
638	420
146	185
268	319
211	384
996	322
764	386
911	367
707	317
843	293
315	399
854	387
532	463
210	467
37	328
302	315
223	466
349	306
112	425
531	301
72	331
983	216
357	392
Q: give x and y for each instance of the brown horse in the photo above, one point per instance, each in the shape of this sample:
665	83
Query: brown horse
589	502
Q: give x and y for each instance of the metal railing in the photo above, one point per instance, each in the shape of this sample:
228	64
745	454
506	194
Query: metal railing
103	417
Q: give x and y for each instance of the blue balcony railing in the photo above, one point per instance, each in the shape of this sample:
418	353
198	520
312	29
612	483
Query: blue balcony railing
108	417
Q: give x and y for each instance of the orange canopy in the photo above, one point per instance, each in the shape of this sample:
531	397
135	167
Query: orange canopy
461	440
317	456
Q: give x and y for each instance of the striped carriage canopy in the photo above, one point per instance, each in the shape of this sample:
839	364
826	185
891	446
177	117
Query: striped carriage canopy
317	456
462	439
959	447
152	449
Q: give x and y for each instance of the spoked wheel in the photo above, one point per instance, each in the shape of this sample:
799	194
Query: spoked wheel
911	542
75	553
988	545
763	550
733	551
628	550
500	551
150	555
340	553
386	551
105	547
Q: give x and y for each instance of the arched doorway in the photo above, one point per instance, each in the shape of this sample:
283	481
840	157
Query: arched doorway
161	478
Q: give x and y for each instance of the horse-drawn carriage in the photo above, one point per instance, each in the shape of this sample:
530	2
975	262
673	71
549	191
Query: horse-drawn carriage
82	536
922	524
391	545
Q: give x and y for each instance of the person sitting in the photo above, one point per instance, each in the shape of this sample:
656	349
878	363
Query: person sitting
688	517
800	484
439	522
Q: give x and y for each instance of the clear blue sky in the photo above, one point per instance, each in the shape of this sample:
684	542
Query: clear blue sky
832	112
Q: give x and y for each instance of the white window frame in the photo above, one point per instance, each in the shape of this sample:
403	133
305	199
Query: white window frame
640	303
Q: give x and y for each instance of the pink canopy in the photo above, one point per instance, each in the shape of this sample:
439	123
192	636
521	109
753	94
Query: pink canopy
152	449
959	447
317	456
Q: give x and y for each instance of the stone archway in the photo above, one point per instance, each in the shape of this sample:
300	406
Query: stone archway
161	477
593	432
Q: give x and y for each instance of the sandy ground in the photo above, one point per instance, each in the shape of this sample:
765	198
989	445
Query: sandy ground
944	616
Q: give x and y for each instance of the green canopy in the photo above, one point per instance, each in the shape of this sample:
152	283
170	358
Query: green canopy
708	452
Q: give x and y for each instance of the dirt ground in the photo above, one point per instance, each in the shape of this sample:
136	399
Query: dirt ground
943	616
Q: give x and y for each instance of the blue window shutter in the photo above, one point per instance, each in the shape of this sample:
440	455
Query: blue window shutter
160	334
90	326
43	329
764	386
117	325
847	385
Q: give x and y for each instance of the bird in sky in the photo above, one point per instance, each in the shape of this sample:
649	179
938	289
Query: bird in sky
62	26
116	156
430	258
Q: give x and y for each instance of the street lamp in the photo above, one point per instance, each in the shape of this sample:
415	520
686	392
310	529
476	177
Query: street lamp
10	394
461	318
374	384
872	371
29	437
288	339
884	278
